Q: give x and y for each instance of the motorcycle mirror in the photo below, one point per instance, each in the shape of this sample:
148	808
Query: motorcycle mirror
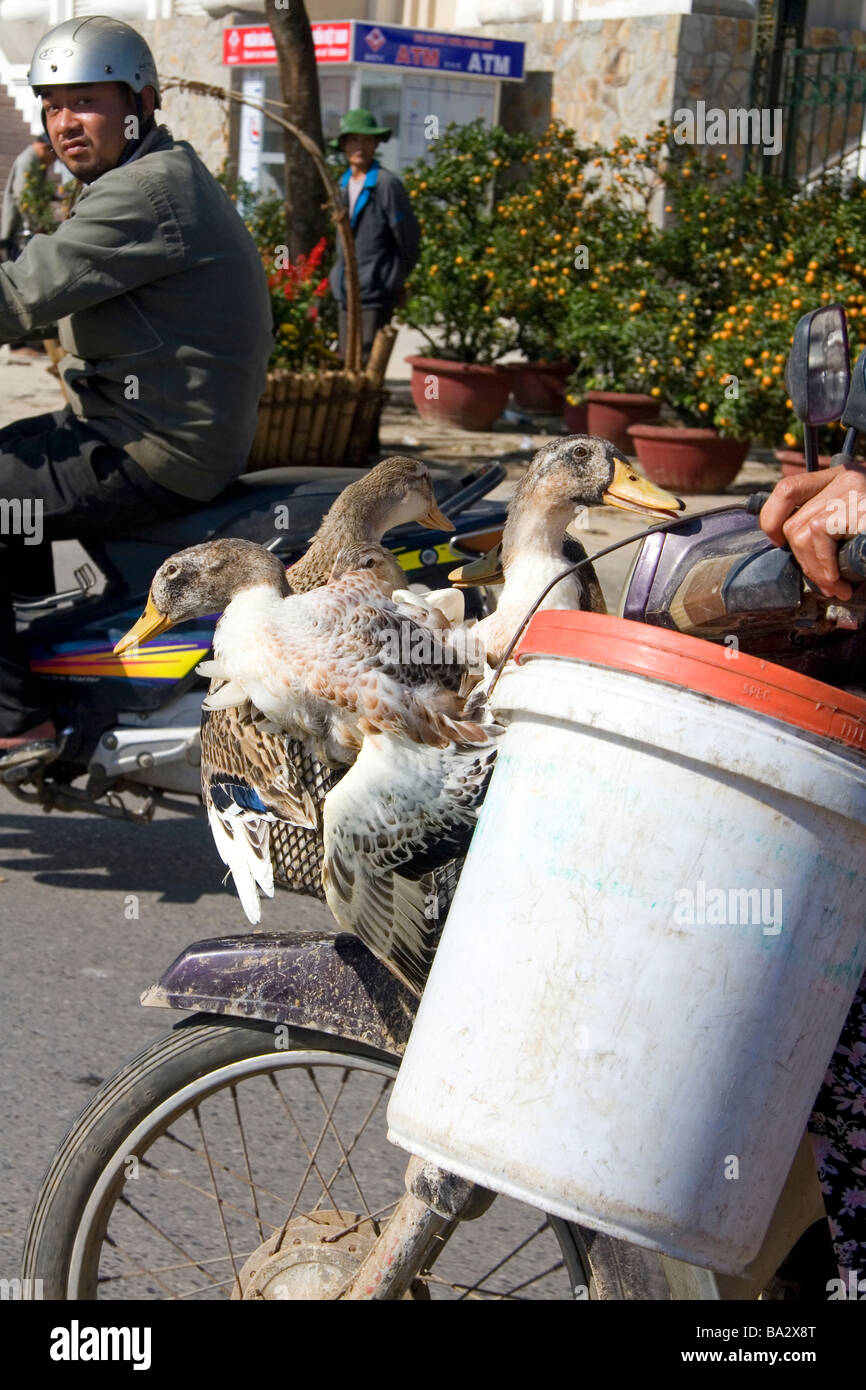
818	373
855	406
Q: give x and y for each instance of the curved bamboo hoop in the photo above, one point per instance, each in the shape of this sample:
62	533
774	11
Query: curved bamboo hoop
339	212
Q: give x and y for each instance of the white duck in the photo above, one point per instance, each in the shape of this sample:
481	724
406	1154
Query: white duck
393	825
564	477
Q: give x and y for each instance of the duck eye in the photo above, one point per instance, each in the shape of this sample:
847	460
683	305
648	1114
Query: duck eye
579	452
172	571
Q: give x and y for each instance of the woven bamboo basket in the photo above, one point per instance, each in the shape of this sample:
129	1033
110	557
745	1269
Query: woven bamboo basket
56	354
327	418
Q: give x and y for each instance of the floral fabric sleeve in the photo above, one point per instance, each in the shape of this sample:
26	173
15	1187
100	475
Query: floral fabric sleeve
838	1130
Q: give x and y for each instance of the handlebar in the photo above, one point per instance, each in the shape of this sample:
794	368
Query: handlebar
852	555
852	559
756	502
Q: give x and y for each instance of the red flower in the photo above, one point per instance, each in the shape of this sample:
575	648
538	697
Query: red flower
316	255
322	287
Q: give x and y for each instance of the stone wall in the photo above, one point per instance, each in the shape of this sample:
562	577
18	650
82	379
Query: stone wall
714	65
191	46
602	77
606	78
714	62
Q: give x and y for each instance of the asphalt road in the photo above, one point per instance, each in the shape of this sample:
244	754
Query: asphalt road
73	966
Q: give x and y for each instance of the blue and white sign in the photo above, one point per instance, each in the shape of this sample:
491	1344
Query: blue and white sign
390	46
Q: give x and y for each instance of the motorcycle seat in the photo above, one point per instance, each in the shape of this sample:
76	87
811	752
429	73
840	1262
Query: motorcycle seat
238	510
250	494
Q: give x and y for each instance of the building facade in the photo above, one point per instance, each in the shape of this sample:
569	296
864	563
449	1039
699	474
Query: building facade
605	67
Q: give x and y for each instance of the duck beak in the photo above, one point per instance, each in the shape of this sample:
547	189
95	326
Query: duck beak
487	570
436	520
150	624
633	493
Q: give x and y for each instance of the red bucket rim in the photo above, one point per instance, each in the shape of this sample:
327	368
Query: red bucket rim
701	666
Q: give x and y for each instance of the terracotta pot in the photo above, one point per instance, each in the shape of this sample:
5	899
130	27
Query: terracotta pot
688	460
576	418
612	412
793	461
463	394
539	385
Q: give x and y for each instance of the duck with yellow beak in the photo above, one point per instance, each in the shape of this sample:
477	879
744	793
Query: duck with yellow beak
242	761
564	477
316	668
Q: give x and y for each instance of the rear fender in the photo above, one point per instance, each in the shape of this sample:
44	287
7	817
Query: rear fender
314	980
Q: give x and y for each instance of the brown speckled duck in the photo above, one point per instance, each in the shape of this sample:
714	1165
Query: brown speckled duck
313	665
245	757
233	743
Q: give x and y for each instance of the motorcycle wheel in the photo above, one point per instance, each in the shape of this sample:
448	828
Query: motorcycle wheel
215	1138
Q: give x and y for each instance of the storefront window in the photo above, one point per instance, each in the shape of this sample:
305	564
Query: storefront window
394	72
334	95
412	105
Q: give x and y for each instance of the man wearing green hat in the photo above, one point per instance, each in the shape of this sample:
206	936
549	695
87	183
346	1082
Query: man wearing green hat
384	227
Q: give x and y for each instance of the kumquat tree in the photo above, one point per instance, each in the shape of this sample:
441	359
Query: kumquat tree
644	266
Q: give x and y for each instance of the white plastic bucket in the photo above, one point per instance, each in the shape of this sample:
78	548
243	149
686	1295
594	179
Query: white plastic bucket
611	1031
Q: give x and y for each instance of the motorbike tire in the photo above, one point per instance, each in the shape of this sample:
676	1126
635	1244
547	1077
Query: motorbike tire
89	1180
138	1105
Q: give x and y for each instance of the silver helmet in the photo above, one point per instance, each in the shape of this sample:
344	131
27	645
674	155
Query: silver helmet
97	49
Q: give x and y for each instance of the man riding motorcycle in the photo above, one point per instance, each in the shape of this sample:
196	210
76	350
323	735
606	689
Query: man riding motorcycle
163	311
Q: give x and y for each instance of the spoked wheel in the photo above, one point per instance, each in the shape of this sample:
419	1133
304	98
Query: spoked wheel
231	1159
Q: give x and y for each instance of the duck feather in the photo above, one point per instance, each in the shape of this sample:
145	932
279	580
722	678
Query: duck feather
401	813
397	490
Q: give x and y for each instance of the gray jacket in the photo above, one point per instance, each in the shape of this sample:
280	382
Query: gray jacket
387	239
163	310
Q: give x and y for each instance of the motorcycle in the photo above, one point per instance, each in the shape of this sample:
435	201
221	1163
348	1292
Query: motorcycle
244	1154
131	724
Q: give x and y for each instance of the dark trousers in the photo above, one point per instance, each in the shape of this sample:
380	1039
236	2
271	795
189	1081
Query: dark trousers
59	481
371	321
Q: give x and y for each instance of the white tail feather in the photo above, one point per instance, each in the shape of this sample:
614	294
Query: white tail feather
227	695
248	871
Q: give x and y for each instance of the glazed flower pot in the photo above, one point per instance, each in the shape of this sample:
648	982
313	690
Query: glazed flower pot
793	461
464	394
612	412
539	385
688	460
576	418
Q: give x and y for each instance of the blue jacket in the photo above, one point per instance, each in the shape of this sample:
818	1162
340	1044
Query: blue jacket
387	238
